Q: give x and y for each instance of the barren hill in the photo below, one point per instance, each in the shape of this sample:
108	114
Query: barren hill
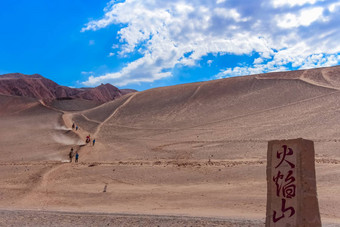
194	149
36	86
246	110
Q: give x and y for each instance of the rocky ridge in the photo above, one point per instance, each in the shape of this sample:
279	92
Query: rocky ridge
36	86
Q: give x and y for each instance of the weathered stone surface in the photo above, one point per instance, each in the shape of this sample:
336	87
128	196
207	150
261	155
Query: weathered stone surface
291	186
36	86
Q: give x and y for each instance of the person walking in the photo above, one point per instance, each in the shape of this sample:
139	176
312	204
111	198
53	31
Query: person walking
71	154
73	126
77	156
76	127
93	142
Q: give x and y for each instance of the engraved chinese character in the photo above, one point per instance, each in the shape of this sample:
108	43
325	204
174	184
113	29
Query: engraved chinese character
287	186
283	210
284	154
288	189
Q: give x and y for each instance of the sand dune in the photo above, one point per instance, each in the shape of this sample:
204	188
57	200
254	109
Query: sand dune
195	149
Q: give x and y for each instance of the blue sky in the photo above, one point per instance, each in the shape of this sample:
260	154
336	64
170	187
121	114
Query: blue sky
150	43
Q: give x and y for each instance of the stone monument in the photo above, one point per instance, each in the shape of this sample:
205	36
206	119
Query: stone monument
291	184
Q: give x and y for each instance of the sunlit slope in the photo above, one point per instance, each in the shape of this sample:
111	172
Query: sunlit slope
196	104
194	149
31	131
14	104
229	118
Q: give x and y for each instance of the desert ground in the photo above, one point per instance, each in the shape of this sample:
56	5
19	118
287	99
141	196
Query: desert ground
185	155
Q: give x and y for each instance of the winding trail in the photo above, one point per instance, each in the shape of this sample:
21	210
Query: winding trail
38	181
268	109
251	113
182	106
88	119
325	84
114	112
86	149
67	118
50	107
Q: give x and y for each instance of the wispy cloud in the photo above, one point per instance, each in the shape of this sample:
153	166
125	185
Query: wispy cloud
292	3
169	33
86	73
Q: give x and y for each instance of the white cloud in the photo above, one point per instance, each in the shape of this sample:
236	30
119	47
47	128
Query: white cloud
181	32
229	13
86	73
292	3
334	6
220	1
280	62
115	46
319	60
258	60
304	18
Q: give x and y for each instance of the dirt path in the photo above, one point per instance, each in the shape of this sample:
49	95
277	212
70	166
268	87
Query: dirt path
258	112
114	112
82	133
86	151
68	120
50	107
325	84
88	119
173	130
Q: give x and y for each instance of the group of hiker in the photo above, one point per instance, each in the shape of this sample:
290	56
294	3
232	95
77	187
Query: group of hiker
87	140
75	127
71	155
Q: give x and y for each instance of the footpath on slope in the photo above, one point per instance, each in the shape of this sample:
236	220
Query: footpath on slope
85	148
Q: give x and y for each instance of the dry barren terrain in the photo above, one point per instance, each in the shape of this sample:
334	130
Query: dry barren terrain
192	154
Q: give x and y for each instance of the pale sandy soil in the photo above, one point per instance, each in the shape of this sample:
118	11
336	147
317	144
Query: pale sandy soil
194	154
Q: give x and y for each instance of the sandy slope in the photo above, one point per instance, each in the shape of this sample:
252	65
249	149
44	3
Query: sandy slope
195	149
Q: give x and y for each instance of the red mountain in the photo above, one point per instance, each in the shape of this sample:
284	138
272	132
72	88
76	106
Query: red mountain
36	86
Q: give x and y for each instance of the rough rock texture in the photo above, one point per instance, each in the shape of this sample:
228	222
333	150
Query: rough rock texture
36	86
292	197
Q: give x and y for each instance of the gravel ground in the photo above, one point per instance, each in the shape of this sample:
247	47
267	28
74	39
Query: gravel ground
56	218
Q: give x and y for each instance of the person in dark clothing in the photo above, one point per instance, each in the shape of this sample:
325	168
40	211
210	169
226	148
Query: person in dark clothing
93	142
73	126
71	154
77	157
